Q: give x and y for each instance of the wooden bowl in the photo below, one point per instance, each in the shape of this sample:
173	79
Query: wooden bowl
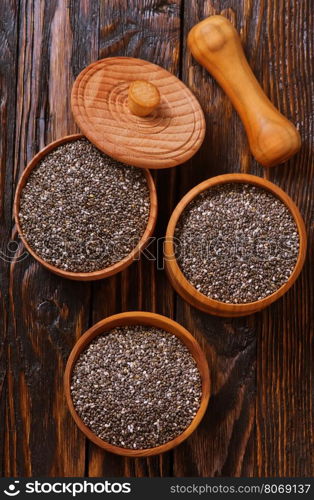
197	299
139	318
94	275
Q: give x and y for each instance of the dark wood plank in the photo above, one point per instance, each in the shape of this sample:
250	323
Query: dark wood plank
150	30
8	65
285	340
224	444
259	422
47	313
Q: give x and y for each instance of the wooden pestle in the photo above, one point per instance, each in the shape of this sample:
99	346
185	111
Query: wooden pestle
216	45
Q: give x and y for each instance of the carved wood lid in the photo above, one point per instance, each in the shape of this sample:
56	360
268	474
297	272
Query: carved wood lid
170	135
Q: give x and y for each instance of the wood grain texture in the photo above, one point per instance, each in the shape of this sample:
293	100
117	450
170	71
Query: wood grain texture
224	444
150	30
47	313
169	136
237	446
260	416
8	67
285	333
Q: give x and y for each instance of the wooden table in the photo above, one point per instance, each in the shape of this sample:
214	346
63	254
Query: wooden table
259	419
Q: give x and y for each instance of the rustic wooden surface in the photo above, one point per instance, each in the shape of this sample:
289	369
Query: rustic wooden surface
259	419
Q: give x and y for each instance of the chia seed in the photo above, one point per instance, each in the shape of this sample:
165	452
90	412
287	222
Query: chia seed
237	243
81	210
136	387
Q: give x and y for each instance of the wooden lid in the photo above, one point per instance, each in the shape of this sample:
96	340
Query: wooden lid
168	136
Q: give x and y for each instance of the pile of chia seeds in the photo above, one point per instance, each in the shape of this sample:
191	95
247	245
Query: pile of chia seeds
237	243
82	211
136	387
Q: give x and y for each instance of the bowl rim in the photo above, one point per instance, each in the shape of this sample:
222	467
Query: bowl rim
93	275
187	290
147	319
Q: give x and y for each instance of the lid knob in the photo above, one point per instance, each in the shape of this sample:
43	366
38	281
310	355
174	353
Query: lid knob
144	97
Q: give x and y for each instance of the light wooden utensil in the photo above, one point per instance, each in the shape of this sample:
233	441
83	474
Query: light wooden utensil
197	299
94	275
149	319
216	45
155	122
